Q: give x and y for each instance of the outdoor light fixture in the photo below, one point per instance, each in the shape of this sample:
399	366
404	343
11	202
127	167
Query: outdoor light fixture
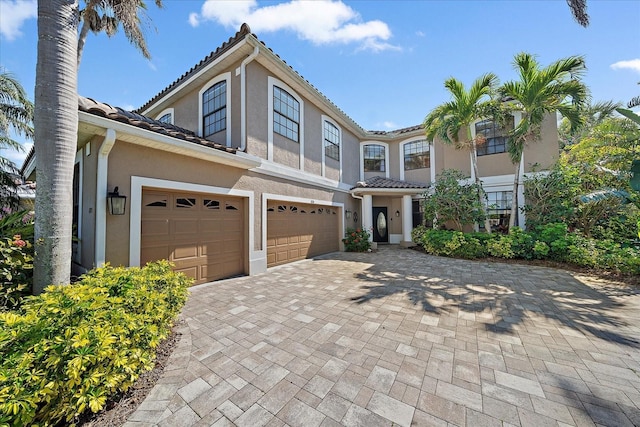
397	214
116	202
347	214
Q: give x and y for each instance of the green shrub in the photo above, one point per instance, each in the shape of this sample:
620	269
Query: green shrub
450	243
356	240
555	235
71	348
20	222
501	247
16	271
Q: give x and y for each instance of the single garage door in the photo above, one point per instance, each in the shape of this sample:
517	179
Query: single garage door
297	231
202	234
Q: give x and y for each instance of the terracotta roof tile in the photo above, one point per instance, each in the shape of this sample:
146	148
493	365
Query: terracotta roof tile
91	106
380	182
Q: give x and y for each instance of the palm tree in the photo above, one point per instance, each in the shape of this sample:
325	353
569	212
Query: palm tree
107	15
579	11
541	91
16	115
56	122
56	128
447	119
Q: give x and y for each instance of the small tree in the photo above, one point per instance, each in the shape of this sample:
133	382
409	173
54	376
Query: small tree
453	199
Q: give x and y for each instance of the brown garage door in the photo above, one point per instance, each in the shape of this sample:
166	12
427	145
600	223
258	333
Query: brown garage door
297	231
203	234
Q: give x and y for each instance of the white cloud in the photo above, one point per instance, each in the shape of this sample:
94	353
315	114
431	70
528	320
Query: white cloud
389	125
194	19
13	14
320	22
421	34
632	64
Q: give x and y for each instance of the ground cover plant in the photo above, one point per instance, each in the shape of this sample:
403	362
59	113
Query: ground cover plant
549	242
66	351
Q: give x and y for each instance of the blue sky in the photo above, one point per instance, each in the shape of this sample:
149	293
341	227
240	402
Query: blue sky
382	62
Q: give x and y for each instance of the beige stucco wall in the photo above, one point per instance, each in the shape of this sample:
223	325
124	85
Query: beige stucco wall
125	161
454	159
422	176
543	153
393	204
350	157
257	114
494	164
313	139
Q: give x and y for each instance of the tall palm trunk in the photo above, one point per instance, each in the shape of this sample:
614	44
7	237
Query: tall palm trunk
56	126
514	197
473	154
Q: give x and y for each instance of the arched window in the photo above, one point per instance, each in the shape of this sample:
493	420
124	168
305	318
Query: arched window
331	140
286	114
166	118
214	109
416	155
374	158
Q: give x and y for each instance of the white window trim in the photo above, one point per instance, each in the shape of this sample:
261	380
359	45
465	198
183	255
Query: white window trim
266	197
169	111
256	258
330	120
80	162
432	168
272	81
387	166
217	79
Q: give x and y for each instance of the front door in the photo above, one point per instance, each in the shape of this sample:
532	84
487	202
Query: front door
380	227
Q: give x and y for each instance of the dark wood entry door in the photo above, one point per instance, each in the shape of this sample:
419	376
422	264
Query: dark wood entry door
380	225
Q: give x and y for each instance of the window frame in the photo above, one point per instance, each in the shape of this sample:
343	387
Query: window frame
166	112
327	120
330	145
215	113
495	144
426	153
383	160
271	82
221	77
281	96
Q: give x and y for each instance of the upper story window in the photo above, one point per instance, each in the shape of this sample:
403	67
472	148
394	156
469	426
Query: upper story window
331	141
417	155
286	114
166	118
214	109
494	135
374	158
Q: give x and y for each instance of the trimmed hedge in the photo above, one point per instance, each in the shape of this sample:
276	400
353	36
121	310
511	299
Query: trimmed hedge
552	241
71	348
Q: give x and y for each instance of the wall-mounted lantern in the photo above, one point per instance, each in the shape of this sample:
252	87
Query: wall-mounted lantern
347	214
116	202
397	214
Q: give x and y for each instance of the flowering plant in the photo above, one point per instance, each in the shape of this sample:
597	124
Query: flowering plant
16	271
356	240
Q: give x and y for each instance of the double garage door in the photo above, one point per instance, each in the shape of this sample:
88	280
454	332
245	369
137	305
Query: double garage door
203	235
297	231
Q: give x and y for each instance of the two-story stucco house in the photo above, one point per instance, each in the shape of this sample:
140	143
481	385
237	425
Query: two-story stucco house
241	164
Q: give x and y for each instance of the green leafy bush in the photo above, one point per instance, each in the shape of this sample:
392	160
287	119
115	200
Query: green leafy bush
20	222
552	241
356	240
71	348
16	271
449	243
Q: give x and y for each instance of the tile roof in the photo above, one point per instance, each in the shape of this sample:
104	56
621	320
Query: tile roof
380	182
90	106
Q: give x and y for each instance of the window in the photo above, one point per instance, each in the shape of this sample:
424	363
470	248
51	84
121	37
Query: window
374	158
416	155
286	114
331	141
166	118
214	109
495	137
499	209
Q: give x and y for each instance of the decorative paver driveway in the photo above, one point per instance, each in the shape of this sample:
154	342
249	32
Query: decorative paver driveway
401	338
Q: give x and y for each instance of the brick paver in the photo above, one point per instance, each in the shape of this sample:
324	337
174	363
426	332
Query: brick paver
397	337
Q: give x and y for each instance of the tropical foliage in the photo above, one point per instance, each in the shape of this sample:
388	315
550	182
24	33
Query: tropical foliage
541	91
16	115
73	347
453	201
447	121
356	240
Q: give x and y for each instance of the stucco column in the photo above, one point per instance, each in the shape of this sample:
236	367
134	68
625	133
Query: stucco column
407	220
367	214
